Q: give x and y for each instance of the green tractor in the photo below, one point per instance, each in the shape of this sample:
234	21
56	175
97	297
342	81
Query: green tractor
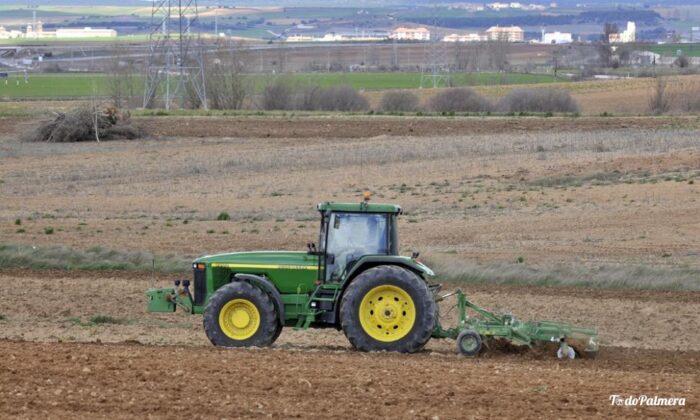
354	281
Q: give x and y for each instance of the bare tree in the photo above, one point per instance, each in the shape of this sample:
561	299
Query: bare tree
122	84
225	81
660	101
497	54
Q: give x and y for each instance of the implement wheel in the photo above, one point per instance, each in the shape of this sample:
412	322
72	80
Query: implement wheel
388	308
469	343
241	315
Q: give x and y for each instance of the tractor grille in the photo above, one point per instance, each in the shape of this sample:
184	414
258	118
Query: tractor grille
200	286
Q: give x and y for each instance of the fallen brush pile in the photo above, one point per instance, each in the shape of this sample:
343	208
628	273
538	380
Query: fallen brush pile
86	124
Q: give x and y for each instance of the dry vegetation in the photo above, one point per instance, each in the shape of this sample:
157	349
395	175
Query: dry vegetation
483	199
85	124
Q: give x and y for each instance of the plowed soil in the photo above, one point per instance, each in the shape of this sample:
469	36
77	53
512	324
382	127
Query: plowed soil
129	380
57	363
359	127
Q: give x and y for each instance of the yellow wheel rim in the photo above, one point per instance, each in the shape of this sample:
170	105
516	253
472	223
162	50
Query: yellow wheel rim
239	319
387	313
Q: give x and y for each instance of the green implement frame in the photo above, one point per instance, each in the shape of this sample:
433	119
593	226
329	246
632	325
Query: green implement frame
488	325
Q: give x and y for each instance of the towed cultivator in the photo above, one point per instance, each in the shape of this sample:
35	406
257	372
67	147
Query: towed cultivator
472	333
355	281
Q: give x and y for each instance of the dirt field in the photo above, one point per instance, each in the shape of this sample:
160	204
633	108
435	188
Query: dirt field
586	198
162	365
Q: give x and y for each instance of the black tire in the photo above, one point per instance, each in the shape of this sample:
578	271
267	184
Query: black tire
390	275
469	343
268	328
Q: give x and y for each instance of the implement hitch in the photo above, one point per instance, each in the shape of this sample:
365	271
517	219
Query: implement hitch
472	332
169	298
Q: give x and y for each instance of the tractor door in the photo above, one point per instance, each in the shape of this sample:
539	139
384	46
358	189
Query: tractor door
350	236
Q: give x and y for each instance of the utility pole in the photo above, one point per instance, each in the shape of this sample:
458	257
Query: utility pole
435	69
175	56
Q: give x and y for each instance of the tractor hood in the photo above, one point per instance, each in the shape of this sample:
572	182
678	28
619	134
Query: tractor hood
264	259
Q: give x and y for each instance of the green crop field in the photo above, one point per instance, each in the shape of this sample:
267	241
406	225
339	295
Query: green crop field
53	86
72	85
671	50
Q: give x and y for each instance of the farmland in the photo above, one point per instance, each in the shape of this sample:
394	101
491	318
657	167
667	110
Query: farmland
671	50
85	85
591	220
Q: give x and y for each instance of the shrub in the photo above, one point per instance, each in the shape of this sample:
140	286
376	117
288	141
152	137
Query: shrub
106	319
682	61
310	98
342	98
690	98
459	100
48	230
18	222
223	216
538	100
399	101
278	95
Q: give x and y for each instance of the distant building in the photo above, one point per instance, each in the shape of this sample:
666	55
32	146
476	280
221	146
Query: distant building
39	32
626	36
299	38
508	34
410	34
645	58
335	37
557	38
85	33
5	34
498	6
473	37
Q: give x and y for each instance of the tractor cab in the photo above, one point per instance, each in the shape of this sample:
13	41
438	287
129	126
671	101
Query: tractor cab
351	231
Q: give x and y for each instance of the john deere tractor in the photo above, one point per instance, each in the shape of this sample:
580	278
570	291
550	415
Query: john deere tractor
354	281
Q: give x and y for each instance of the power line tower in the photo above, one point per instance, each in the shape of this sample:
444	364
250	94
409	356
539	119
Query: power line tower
436	70
175	64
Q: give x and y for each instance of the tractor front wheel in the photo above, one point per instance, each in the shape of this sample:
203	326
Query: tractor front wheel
241	315
388	308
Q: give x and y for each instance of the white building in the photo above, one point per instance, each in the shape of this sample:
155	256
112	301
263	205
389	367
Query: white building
506	33
299	38
85	33
626	36
5	34
557	38
473	37
410	34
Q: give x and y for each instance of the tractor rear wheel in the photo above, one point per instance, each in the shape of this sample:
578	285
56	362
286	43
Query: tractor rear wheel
388	308
241	315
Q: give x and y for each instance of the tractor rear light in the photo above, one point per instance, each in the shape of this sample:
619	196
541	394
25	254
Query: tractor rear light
199	266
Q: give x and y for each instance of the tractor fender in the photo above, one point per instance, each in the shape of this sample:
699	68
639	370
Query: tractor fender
373	260
267	286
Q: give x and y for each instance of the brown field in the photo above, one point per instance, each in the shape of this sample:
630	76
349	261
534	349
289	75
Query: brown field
595	97
575	199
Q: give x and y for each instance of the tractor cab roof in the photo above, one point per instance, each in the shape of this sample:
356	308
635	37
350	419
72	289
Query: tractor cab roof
361	207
